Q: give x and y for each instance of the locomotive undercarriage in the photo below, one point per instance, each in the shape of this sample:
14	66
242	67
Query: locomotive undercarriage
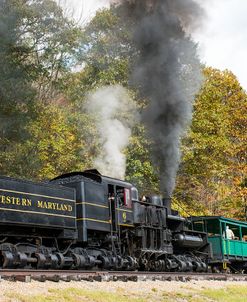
157	250
29	255
173	263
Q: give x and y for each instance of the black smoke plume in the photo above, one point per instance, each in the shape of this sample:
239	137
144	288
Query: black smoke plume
167	73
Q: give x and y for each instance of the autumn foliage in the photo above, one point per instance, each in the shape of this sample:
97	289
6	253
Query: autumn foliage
212	176
48	64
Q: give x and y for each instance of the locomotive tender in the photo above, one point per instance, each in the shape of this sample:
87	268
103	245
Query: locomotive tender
83	220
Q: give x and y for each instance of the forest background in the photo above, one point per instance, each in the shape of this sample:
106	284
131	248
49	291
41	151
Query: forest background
49	64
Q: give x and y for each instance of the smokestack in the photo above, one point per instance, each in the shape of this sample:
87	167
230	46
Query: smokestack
167	73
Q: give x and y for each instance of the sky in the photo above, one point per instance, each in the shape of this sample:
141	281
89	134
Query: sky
222	39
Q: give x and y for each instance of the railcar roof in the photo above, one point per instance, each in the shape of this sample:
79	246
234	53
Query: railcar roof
222	218
96	176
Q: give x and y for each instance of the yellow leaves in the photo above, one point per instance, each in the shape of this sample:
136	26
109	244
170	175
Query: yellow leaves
54	144
215	152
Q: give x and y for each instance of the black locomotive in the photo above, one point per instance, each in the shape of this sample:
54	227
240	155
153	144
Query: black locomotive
88	221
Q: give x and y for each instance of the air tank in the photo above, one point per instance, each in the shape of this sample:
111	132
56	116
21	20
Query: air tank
184	240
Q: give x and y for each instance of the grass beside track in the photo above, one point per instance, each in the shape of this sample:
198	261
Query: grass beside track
75	295
225	294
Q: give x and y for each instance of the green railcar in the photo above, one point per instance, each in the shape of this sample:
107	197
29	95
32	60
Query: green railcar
228	238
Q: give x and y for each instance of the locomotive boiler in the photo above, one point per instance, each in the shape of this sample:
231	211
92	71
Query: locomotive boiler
83	220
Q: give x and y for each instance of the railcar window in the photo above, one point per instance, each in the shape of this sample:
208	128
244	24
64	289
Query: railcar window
231	231
236	231
198	226
213	227
244	233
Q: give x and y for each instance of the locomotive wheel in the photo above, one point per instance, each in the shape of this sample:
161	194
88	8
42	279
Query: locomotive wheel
21	260
64	262
7	259
197	266
61	260
41	260
132	264
163	263
168	265
158	265
51	261
79	261
189	267
143	264
119	263
90	261
105	262
181	266
151	265
115	263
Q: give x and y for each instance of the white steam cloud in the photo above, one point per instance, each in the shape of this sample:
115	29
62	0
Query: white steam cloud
115	114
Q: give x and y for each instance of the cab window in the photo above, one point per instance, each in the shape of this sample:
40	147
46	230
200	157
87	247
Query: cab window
123	197
127	198
120	196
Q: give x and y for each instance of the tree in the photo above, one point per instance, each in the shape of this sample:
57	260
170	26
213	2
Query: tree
53	40
211	174
140	170
16	93
37	48
106	53
59	141
38	44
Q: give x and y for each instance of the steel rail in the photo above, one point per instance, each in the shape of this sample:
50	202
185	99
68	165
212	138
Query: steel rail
82	275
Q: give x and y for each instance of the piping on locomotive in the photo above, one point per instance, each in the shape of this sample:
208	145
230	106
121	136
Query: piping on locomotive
84	220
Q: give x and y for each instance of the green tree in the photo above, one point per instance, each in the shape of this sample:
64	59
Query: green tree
37	45
140	170
16	93
105	51
37	48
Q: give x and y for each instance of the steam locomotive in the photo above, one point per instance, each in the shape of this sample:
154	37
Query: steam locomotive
83	220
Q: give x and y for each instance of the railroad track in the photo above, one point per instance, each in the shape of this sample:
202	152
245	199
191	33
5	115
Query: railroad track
69	275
